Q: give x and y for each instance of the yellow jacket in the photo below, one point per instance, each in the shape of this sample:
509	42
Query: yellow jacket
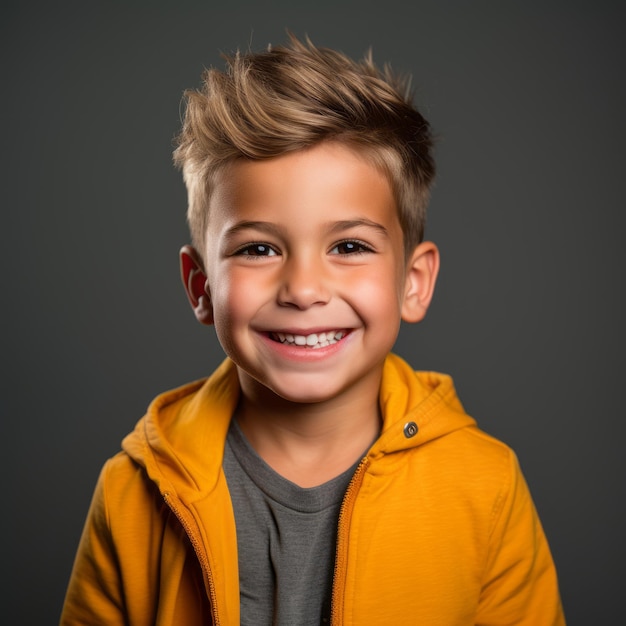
437	527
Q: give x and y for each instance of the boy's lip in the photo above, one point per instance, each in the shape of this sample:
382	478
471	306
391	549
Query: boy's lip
305	345
318	337
318	330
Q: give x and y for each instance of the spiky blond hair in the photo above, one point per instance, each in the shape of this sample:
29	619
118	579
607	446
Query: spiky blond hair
291	97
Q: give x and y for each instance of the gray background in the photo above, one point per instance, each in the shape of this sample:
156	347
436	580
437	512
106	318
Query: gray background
529	100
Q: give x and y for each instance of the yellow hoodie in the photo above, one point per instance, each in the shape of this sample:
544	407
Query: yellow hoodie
437	527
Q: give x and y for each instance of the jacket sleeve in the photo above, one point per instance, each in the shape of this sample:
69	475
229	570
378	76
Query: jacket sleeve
94	594
520	585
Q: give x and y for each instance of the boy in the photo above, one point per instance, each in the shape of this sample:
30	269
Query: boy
314	478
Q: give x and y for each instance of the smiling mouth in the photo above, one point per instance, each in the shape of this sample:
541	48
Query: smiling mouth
312	341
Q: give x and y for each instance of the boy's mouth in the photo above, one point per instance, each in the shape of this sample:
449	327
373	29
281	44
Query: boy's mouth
313	341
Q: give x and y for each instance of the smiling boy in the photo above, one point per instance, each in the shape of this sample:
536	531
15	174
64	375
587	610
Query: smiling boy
300	246
314	477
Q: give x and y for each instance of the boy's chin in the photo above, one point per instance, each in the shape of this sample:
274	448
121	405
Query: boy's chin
301	395
293	389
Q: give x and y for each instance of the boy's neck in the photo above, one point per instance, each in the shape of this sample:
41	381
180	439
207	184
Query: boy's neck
308	444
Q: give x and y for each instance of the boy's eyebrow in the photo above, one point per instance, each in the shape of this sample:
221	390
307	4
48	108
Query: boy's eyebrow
255	225
362	221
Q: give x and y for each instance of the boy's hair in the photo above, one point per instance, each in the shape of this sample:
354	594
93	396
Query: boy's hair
295	96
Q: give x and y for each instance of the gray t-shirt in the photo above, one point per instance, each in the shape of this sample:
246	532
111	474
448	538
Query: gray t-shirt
286	538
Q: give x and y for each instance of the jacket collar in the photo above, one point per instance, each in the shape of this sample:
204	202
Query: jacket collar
180	440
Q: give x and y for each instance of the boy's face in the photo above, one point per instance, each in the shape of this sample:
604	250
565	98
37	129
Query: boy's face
306	273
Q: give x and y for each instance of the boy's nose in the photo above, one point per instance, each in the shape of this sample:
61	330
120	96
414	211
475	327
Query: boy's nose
303	284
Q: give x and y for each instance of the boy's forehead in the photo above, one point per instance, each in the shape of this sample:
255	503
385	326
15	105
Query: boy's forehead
327	170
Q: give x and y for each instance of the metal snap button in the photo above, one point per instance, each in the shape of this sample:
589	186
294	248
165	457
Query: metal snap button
410	429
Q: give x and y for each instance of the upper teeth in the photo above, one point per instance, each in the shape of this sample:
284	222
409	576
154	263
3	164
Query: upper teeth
314	340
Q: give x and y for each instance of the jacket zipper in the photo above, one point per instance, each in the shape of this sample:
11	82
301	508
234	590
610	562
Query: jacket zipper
341	554
191	530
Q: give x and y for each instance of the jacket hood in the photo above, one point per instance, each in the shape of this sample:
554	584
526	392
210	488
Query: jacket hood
181	438
417	407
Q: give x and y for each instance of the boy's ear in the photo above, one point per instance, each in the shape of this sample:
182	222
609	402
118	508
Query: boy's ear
421	276
195	283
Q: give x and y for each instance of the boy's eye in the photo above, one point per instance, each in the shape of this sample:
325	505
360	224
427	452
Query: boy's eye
350	247
257	249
